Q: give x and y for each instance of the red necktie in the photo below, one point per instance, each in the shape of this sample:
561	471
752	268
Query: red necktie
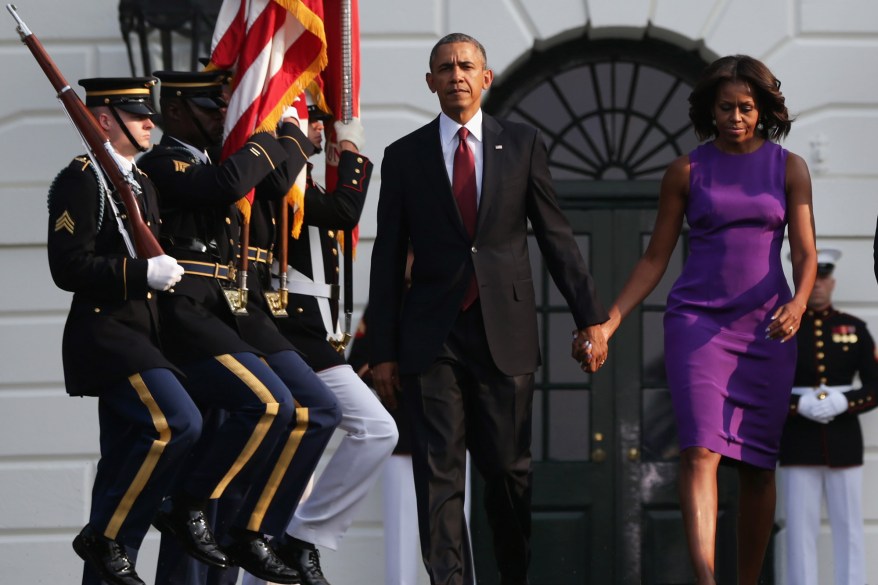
463	185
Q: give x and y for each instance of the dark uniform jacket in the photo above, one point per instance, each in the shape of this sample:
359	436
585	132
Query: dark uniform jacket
258	327
112	329
329	213
201	224
832	348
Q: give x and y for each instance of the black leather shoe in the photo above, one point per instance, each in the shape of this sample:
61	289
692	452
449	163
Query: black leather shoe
304	558
192	531
107	557
257	558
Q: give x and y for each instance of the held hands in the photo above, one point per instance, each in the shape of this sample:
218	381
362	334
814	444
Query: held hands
785	322
352	132
163	272
385	380
823	404
590	348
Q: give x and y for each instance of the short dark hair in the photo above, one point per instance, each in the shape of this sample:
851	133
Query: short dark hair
458	38
773	114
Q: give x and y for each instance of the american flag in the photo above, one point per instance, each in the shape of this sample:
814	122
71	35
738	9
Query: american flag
275	48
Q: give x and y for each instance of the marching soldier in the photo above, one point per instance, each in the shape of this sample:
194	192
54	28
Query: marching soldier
253	444
822	446
370	433
148	423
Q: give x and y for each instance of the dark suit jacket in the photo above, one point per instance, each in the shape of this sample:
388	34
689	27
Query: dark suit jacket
416	203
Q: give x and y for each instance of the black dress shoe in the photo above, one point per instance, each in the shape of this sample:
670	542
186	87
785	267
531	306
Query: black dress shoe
192	531
257	558
304	558
107	557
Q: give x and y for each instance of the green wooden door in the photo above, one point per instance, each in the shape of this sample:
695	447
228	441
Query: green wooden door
605	451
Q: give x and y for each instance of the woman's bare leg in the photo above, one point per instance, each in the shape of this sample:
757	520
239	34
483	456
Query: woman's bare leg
756	501
698	502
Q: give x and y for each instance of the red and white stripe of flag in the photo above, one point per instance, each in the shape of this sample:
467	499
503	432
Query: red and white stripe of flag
275	49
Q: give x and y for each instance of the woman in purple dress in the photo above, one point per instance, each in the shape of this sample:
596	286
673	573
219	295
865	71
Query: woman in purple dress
731	318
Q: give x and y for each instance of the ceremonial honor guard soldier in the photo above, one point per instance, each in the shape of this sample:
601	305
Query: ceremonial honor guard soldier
148	423
822	446
312	326
204	337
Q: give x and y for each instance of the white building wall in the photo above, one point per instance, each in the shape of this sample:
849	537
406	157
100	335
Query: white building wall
824	52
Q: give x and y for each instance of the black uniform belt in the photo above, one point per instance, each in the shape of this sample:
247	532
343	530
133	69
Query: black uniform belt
208	269
259	255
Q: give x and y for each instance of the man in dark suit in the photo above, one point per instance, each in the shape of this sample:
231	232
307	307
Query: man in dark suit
464	346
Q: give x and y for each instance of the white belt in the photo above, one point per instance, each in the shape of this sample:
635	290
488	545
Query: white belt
298	283
800	390
317	287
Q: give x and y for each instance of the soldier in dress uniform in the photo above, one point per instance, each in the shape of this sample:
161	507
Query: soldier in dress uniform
110	346
370	433
247	375
822	446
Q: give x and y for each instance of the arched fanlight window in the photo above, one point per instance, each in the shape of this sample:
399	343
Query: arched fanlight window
609	110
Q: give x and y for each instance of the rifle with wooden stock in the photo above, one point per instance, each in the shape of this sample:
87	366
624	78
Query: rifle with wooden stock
100	149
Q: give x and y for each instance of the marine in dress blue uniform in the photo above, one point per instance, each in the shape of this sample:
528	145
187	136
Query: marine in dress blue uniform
111	346
821	453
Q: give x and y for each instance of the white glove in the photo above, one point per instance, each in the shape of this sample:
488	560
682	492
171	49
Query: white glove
352	132
837	400
163	272
813	408
292	112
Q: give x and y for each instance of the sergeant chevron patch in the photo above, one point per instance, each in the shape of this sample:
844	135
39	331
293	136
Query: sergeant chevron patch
180	166
65	222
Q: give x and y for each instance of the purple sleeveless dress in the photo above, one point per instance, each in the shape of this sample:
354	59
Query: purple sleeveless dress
729	385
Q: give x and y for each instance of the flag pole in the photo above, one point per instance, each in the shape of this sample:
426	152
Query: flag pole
347	113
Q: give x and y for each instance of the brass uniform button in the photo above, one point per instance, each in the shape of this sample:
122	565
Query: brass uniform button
334	252
228	221
300	310
330	233
149	295
97	309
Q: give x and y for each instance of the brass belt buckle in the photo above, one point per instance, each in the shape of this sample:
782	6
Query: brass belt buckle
277	303
340	344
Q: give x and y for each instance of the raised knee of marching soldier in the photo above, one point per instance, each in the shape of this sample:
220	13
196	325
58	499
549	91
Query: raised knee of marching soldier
185	428
285	411
382	431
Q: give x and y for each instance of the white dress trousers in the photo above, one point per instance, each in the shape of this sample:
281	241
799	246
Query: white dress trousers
804	488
